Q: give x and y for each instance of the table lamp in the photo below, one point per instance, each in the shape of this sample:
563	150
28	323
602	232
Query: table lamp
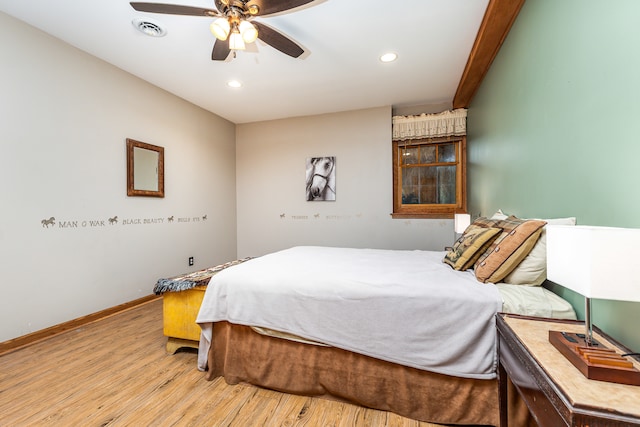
461	222
596	262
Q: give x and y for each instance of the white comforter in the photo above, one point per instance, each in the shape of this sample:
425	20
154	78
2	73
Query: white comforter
405	307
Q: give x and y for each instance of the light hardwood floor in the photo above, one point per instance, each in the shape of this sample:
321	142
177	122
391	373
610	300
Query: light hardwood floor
116	372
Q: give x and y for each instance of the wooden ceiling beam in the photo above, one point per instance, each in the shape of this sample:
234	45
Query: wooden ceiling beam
497	21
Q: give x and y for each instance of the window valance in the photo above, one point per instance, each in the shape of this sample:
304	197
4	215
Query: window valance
447	123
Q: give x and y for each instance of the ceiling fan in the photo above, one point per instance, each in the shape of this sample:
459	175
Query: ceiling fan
232	27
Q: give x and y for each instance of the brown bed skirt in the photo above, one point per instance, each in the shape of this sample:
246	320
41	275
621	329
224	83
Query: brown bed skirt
241	355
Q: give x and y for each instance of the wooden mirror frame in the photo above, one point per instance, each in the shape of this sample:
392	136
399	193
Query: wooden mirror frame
131	190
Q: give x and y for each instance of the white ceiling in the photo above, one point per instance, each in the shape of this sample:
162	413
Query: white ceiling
340	71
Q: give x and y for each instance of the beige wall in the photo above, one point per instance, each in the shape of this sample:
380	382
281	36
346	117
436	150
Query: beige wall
64	118
272	211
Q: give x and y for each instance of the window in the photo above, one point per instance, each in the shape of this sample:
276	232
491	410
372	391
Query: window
429	178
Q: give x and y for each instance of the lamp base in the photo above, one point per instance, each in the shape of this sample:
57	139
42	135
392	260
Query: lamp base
596	362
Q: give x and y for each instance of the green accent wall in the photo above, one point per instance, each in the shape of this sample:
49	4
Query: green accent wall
554	130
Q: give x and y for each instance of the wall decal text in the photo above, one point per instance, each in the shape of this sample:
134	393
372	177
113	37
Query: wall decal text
117	221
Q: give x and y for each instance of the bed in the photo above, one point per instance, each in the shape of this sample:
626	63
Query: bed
387	329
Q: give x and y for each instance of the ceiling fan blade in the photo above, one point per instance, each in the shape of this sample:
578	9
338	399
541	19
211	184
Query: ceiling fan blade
267	7
173	9
278	41
220	50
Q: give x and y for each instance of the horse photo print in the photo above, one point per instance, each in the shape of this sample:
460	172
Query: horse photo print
321	178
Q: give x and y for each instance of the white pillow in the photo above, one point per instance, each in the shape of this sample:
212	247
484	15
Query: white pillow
499	215
534	301
532	271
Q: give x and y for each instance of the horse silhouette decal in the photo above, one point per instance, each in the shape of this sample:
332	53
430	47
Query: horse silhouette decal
47	222
321	178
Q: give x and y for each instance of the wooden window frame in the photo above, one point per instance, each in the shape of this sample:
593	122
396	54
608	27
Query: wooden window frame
401	210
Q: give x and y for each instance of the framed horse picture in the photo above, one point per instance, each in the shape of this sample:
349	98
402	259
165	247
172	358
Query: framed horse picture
321	178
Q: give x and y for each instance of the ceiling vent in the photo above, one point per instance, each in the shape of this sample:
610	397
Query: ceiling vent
149	27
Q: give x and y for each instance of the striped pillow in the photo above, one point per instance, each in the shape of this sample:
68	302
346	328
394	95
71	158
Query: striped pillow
509	249
470	246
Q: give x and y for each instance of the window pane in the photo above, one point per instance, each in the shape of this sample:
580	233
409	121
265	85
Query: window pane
446	184
410	176
410	156
410	186
447	153
428	154
429	185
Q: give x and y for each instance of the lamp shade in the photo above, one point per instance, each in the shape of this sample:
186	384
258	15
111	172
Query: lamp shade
220	28
596	262
235	41
461	222
248	31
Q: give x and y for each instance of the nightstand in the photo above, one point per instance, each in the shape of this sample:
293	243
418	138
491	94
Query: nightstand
556	393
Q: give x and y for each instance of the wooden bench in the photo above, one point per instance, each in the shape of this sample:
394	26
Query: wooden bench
180	310
182	296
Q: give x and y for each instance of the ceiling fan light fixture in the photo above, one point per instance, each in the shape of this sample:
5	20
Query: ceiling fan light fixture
228	16
235	40
220	28
249	31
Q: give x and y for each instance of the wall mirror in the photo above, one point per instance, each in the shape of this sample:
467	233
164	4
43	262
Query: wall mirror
145	169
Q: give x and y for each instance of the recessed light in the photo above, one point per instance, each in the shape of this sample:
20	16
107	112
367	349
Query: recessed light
234	83
149	27
389	57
